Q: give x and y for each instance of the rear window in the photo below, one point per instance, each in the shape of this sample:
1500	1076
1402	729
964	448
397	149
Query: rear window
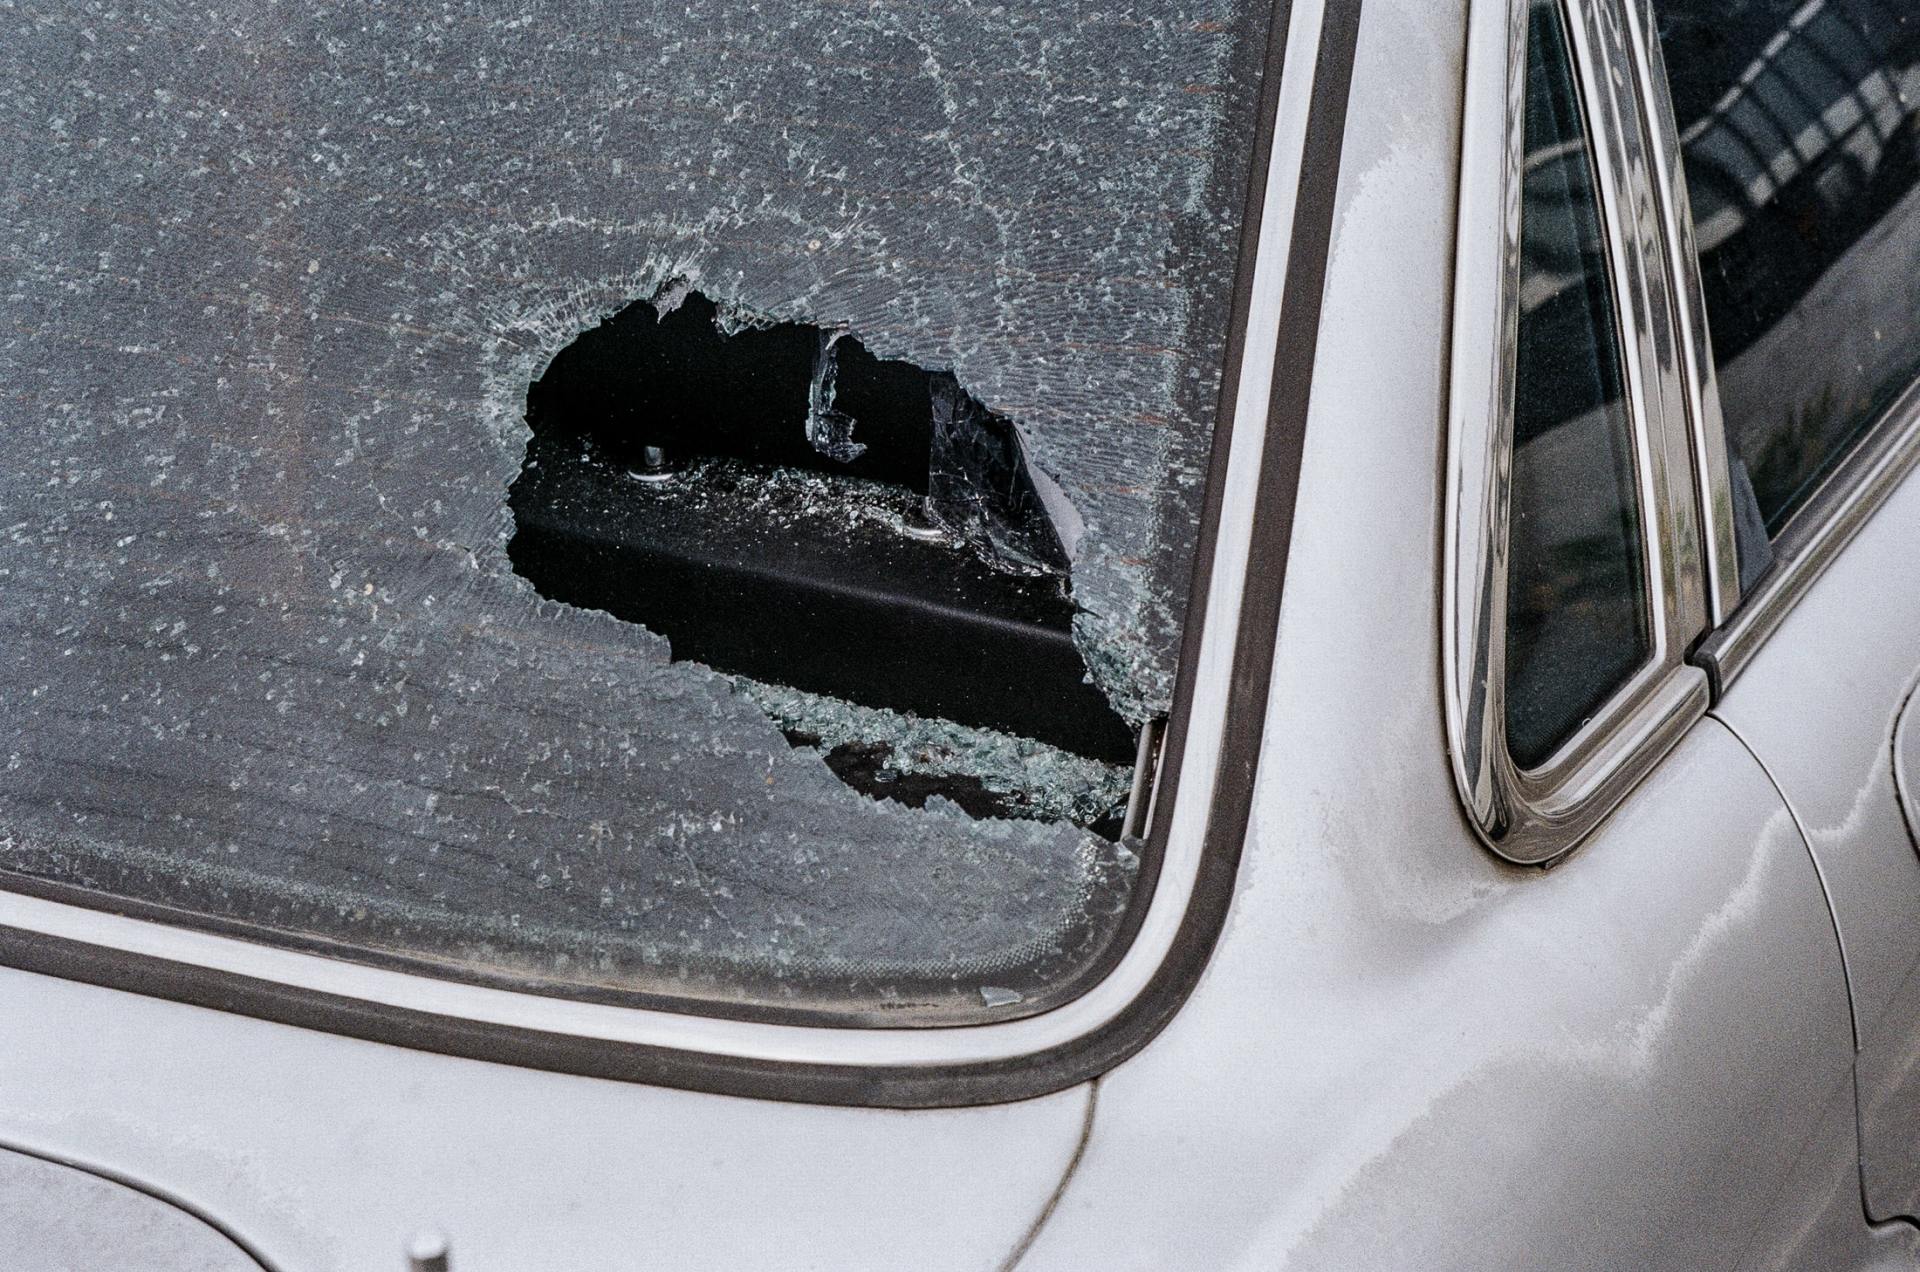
684	504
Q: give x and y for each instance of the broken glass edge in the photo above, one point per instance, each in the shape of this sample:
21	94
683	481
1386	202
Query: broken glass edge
1055	785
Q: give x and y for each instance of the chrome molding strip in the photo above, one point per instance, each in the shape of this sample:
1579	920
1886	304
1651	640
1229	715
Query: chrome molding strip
1849	495
1535	816
851	1065
1815	535
1706	429
1656	379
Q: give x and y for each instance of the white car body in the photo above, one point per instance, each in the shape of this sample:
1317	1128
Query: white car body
1692	1042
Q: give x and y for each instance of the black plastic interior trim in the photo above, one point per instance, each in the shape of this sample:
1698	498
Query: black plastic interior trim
853	611
1018	1078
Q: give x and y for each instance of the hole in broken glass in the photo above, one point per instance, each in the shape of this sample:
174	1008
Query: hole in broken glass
856	540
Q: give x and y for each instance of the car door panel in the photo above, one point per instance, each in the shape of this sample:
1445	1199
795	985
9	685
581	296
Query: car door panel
1820	704
1889	1061
1814	1220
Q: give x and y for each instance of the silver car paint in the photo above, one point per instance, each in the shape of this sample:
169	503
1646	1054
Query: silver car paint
1889	1063
1819	704
1405	1053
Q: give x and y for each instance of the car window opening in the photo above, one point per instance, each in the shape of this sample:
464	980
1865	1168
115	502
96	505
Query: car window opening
859	541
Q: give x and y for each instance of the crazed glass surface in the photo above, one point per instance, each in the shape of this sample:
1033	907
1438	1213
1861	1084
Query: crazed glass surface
277	280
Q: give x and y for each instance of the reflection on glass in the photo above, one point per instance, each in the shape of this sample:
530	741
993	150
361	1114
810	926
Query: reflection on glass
1800	126
1577	621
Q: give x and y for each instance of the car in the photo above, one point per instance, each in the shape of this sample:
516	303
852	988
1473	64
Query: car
823	635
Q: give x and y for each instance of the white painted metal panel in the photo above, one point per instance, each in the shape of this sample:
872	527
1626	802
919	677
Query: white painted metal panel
1405	1053
326	1154
1818	704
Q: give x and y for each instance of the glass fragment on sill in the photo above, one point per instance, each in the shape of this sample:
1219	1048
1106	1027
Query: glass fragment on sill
830	430
990	773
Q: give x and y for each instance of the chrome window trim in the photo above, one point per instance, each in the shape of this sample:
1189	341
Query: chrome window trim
1537	815
1815	535
1874	466
1706	425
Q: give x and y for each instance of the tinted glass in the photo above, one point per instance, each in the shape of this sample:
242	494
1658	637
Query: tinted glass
1576	590
1798	124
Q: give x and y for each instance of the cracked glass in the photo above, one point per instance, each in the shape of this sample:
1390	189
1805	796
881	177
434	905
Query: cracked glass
320	611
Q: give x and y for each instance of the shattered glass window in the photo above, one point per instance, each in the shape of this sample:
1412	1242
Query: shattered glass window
688	504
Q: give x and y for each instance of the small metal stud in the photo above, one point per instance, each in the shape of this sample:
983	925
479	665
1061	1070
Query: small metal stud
919	525
656	464
427	1252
